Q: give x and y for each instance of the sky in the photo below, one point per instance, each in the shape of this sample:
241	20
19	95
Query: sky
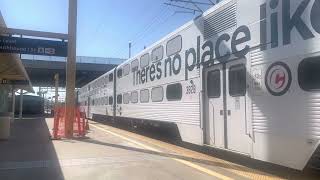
105	27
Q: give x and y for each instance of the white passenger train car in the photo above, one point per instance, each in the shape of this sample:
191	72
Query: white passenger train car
243	77
97	97
83	98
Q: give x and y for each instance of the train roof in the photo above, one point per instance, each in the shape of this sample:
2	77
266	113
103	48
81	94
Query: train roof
216	7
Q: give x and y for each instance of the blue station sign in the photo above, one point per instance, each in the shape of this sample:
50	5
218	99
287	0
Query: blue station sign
33	46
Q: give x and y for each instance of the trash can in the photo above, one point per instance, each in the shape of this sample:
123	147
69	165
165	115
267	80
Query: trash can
5	125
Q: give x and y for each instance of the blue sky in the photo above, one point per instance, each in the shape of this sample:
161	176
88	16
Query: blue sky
104	26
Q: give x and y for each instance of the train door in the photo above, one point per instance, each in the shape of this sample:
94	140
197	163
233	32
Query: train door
215	120
226	120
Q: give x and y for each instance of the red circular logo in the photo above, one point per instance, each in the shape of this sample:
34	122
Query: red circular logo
278	78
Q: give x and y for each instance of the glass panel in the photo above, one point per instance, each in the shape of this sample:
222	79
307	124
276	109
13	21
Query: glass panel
237	80
174	45
111	77
174	92
157	94
126	98
119	99
134	97
126	69
110	100
134	65
119	73
157	54
309	74
144	60
144	95
214	84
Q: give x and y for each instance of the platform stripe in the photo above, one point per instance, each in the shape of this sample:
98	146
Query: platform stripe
187	163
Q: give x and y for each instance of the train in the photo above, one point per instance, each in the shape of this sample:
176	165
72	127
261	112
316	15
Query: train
244	77
32	105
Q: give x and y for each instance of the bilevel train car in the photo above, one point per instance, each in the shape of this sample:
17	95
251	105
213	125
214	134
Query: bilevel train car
243	77
96	98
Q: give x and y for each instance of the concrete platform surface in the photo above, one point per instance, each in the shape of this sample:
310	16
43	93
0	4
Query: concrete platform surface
107	153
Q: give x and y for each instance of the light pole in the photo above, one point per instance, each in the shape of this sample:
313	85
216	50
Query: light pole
130	49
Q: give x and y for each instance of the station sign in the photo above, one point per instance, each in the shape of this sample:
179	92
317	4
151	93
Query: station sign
14	82
3	81
33	46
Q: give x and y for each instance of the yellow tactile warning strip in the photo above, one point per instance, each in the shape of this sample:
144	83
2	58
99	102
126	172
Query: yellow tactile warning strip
231	167
207	171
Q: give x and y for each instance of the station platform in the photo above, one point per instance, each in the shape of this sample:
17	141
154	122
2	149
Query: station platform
108	153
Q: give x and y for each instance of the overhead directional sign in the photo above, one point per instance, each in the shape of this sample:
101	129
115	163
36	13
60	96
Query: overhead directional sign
33	46
14	82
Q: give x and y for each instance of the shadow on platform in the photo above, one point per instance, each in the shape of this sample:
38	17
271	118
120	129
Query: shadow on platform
26	153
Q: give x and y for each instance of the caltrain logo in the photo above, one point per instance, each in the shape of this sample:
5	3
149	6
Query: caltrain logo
278	78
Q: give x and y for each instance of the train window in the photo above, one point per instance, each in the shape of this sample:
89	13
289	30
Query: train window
92	102
237	80
214	84
144	60
174	92
157	54
119	73
119	99
134	96
174	45
126	98
110	100
111	77
134	65
157	94
126	69
309	73
144	95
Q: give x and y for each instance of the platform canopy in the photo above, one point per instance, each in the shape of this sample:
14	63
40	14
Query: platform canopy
12	69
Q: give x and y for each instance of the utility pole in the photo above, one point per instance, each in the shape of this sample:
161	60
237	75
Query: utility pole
71	70
130	49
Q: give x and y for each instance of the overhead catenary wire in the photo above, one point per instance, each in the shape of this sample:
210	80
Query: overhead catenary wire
148	35
102	25
151	29
182	7
212	3
160	24
195	2
154	23
195	5
160	18
142	32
